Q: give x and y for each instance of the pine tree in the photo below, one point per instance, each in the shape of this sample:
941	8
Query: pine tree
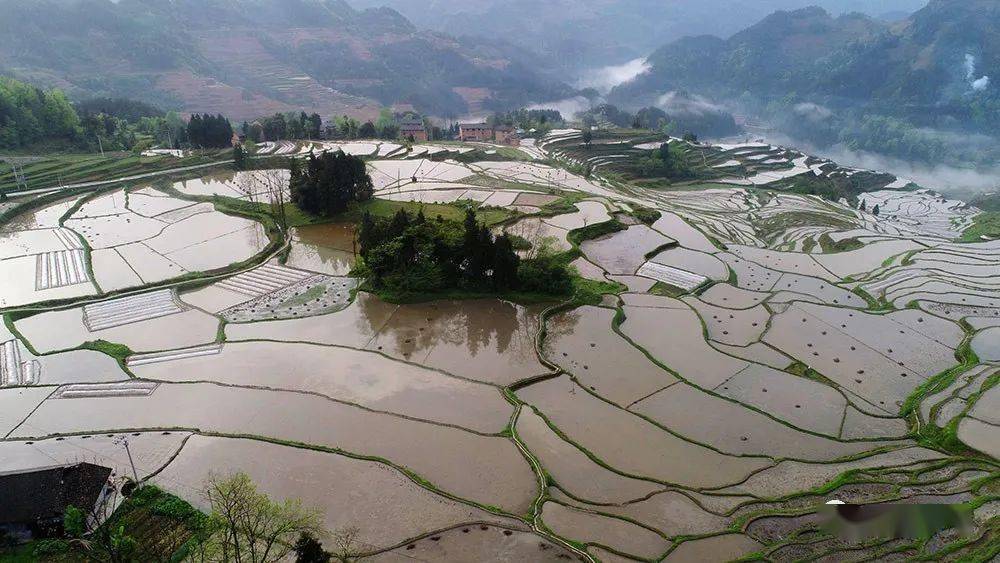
239	157
368	235
309	550
400	222
505	264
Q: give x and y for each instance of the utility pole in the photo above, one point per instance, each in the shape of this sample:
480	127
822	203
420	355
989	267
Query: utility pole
124	441
100	145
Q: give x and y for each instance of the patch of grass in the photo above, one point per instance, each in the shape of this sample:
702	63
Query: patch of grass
591	292
879	304
578	236
830	246
386	209
985	226
73	168
164	526
942	438
311	294
645	215
665	289
802	370
117	351
518	242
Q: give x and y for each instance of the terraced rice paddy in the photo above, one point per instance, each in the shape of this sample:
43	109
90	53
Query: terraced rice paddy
771	352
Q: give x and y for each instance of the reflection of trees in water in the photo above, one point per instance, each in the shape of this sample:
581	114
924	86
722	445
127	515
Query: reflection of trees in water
372	313
334	236
560	326
478	325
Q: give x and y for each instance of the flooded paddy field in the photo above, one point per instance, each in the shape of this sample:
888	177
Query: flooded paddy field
344	374
582	343
498	474
388	507
751	371
625	251
329	249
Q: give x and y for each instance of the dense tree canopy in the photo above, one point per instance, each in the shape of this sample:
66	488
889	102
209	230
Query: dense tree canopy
123	108
329	183
210	131
411	254
29	114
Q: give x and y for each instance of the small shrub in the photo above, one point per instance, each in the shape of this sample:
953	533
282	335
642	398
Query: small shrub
646	215
545	274
74	522
49	548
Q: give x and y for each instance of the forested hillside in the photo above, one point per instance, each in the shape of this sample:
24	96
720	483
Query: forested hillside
583	34
29	115
247	58
851	79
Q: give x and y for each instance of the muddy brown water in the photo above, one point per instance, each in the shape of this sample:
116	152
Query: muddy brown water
670	512
581	342
631	444
386	506
735	429
328	248
674	337
624	251
717	548
485	339
490	470
39	218
364	378
618	534
573	471
478	542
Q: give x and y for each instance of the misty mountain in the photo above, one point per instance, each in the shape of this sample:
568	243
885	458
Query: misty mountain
578	34
247	58
830	78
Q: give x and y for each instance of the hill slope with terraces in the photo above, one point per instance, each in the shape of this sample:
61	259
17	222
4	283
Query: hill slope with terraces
246	58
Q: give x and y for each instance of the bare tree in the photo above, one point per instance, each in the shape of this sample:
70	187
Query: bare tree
532	231
270	186
248	527
346	546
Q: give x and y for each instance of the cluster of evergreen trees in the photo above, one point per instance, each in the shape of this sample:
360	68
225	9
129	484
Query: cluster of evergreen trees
704	121
29	115
668	161
329	183
411	254
210	131
282	126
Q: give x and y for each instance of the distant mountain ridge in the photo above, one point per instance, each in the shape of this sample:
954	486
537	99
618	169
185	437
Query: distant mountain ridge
939	68
247	58
581	34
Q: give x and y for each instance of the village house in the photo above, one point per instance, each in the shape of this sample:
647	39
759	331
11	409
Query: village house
475	132
506	135
413	131
33	503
